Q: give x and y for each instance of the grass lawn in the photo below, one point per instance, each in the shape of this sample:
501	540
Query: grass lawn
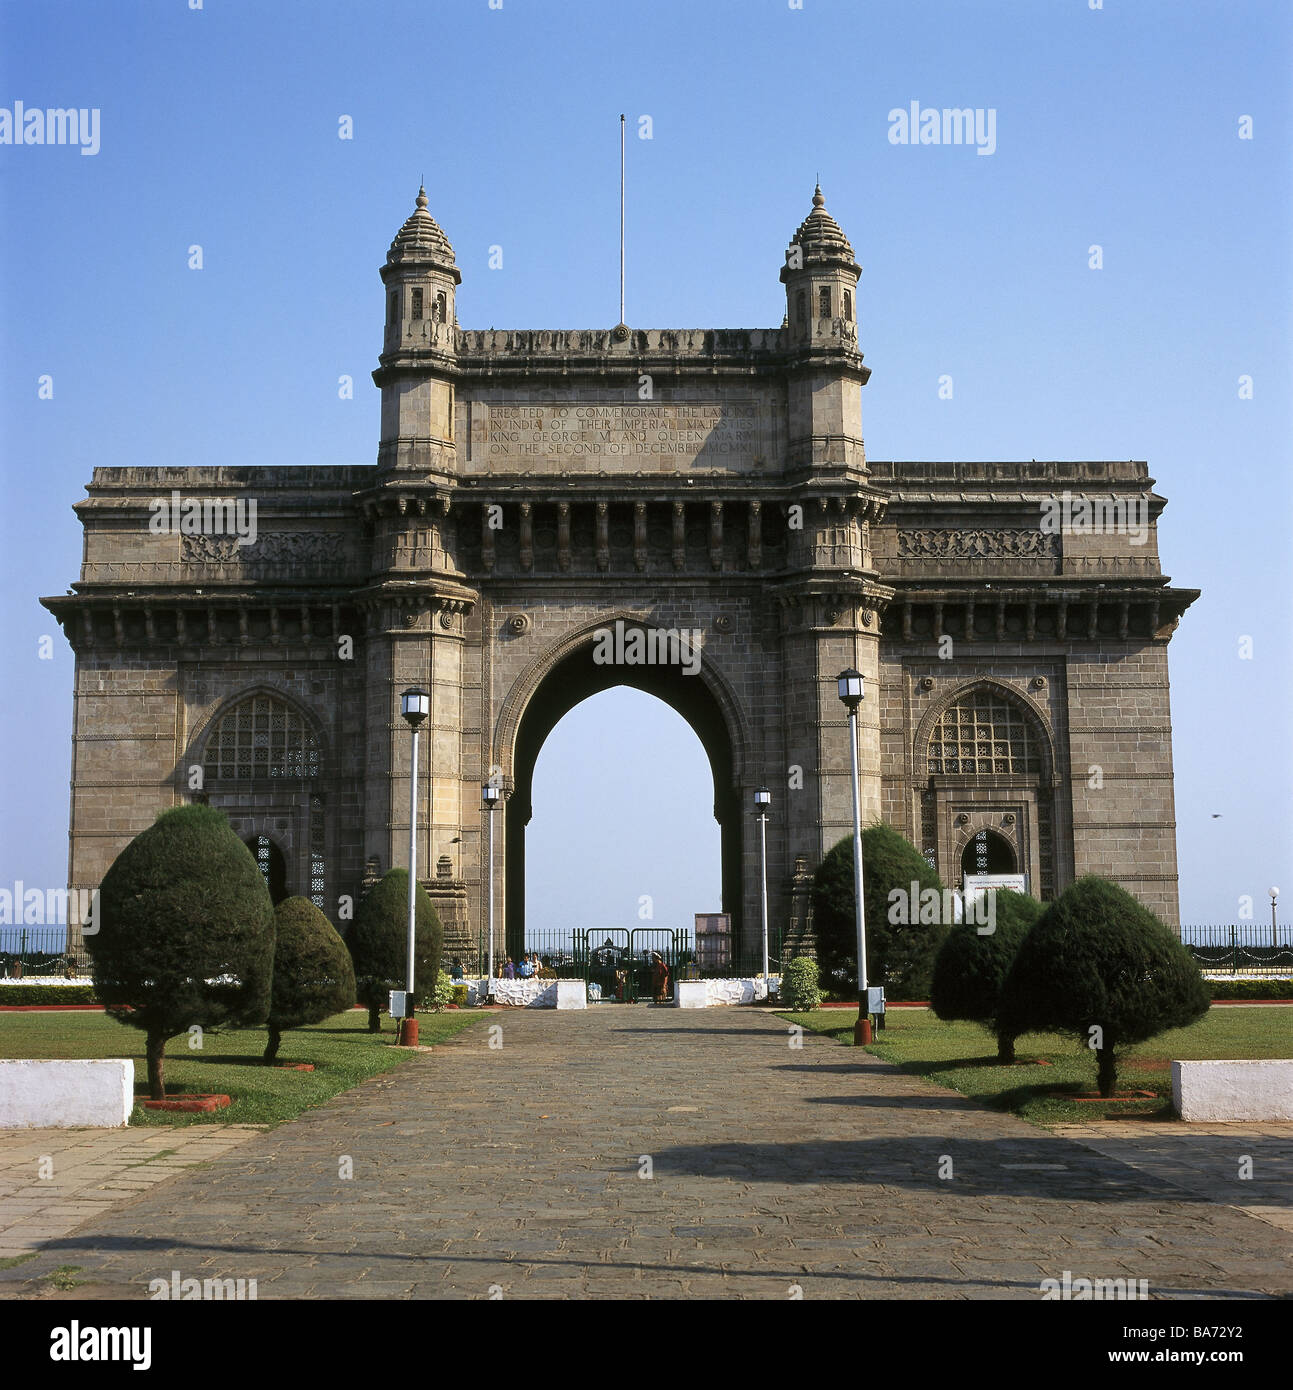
341	1048
962	1056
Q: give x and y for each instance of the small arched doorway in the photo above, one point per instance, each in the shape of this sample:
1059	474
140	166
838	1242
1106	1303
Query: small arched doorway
987	853
270	861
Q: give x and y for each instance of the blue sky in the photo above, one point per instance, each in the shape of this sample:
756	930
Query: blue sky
1116	126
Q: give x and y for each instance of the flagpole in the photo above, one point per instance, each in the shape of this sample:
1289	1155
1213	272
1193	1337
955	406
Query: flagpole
621	217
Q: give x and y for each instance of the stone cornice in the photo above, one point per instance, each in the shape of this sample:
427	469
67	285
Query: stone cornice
1050	611
226	618
925	481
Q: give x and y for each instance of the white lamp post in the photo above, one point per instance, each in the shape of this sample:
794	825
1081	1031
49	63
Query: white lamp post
490	795
415	706
762	804
850	689
1275	897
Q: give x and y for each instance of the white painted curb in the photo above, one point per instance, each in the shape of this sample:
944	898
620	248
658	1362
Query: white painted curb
572	994
66	1094
1260	1090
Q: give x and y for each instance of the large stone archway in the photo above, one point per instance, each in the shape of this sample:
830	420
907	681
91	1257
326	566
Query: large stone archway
532	486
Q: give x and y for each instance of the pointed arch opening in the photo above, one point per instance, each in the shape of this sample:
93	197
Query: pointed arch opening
622	834
987	790
576	676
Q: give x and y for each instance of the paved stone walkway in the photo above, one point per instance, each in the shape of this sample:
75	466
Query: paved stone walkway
54	1180
641	1152
1247	1166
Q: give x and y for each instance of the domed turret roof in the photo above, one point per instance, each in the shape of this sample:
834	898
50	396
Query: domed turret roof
820	237
420	239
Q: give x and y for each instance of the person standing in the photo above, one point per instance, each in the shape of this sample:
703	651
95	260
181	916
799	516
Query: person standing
659	978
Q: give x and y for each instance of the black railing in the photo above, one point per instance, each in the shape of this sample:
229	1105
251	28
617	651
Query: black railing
565	952
555	947
1250	949
40	951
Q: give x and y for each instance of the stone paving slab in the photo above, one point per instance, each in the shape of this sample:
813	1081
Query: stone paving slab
54	1180
1247	1166
561	1165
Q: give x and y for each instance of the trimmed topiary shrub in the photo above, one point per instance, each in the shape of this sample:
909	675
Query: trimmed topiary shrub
378	941
186	933
460	996
970	969
799	991
900	954
313	976
1102	967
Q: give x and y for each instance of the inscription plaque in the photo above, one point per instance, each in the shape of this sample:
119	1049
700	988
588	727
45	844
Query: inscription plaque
649	436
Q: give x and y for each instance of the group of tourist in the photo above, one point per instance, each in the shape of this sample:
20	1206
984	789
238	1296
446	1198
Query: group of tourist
525	969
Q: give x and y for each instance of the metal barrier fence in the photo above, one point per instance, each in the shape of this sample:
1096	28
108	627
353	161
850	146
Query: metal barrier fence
1250	949
1241	950
555	948
39	951
564	952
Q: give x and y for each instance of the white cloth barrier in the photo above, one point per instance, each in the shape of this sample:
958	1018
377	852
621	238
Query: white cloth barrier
707	994
526	994
569	994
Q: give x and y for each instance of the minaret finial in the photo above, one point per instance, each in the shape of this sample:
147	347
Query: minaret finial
818	200
422	196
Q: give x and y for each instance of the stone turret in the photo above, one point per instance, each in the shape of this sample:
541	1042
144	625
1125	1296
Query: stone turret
419	347
827	375
820	276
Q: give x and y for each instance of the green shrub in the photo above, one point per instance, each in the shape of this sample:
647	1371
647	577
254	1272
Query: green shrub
186	932
378	942
1250	989
313	976
971	969
1102	967
900	956
46	994
460	996
443	994
799	990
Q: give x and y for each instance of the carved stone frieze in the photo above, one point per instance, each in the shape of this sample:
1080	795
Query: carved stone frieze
275	550
976	544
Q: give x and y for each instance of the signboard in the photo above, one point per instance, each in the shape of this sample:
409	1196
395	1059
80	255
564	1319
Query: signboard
978	884
398	1000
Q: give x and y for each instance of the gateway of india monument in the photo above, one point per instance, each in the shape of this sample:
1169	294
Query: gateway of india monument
704	496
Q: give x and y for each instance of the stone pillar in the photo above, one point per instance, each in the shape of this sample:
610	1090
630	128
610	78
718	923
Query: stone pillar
823	634
799	939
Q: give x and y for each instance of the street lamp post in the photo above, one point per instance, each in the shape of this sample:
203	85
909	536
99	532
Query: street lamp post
1275	897
762	804
415	705
489	799
850	689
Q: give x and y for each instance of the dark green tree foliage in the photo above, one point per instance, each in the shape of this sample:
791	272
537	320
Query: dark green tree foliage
313	976
971	969
899	956
378	941
1101	966
186	932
